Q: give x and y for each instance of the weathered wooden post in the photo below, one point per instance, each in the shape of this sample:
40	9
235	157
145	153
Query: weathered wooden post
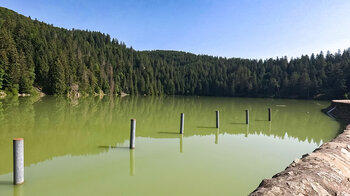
269	110
18	161
182	123
217	119
247	117
132	133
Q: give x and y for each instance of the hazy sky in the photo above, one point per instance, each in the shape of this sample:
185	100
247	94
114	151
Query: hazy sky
246	28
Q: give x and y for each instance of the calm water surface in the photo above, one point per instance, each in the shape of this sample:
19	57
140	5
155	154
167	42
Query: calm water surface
80	147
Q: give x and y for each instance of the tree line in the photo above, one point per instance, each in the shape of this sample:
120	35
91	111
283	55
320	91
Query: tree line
36	54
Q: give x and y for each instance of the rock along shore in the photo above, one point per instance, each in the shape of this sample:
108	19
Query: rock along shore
325	171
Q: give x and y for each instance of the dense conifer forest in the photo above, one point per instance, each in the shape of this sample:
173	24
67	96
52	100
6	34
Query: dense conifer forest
36	54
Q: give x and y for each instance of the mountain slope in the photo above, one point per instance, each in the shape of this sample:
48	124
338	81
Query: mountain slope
57	60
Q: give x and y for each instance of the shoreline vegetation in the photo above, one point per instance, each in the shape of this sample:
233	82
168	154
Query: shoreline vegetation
35	55
322	172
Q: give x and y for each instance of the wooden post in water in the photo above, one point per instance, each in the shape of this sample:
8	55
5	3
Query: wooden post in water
182	121
247	117
18	161
217	119
132	133
269	114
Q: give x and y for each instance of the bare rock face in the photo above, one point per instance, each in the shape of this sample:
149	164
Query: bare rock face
326	171
74	92
2	94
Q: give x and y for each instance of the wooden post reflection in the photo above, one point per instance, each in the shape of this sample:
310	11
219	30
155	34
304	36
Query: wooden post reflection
132	162
18	190
217	136
247	132
181	142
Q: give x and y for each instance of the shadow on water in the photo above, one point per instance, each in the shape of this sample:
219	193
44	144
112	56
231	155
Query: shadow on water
165	132
119	147
206	127
6	183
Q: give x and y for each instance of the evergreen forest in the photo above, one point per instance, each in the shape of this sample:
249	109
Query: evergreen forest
55	60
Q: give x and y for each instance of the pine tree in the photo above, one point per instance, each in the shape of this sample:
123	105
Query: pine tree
1	75
3	63
57	76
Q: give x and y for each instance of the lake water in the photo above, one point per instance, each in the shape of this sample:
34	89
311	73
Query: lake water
80	147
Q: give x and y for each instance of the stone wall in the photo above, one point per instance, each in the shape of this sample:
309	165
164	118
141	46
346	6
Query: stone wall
340	110
325	171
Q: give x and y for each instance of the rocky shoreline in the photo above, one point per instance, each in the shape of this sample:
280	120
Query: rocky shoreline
325	171
340	110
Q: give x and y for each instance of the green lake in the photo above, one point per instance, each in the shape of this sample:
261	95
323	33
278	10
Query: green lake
80	147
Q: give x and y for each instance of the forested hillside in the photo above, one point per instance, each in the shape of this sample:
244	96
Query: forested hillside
35	54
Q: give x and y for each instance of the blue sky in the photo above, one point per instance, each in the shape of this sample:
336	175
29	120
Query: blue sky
246	28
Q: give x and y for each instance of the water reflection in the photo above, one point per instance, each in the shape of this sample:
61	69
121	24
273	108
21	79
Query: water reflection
181	142
52	125
247	131
1	112
18	190
132	162
217	136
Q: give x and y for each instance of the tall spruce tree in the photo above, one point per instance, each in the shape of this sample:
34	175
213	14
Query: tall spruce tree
57	83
